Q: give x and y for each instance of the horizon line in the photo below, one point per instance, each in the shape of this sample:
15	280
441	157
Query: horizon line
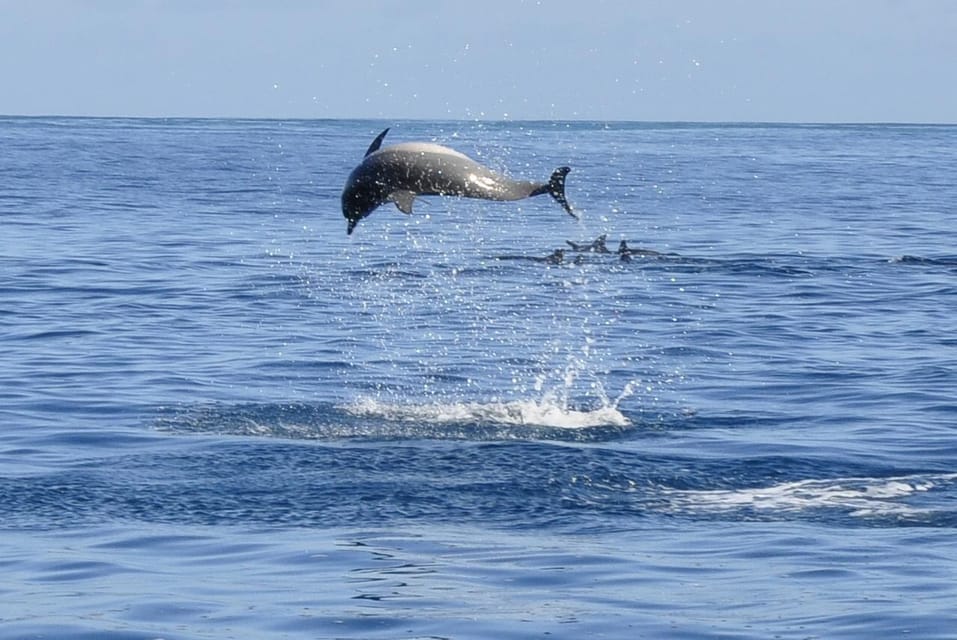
576	119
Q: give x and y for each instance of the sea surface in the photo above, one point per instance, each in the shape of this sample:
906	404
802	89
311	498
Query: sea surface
222	417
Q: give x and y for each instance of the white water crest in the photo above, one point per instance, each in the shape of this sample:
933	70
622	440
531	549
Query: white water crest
862	497
543	413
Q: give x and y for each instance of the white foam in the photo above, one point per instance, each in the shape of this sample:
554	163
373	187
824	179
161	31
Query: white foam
519	412
860	496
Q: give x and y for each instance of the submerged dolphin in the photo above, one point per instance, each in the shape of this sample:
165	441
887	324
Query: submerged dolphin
625	252
595	246
403	171
555	257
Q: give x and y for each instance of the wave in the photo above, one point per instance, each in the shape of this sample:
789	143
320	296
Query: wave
858	497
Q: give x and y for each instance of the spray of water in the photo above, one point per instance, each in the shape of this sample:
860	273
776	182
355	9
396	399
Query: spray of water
437	330
551	402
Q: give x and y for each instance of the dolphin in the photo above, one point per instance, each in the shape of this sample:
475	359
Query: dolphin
595	246
625	252
555	257
403	171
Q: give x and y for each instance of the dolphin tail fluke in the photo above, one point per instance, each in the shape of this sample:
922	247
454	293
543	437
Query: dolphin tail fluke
556	189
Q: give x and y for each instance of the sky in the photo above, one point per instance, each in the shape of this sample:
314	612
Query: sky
645	60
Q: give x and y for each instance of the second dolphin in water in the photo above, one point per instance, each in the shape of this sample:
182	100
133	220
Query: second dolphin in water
403	171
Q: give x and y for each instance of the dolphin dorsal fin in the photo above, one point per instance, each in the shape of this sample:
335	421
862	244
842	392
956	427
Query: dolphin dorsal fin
377	142
403	200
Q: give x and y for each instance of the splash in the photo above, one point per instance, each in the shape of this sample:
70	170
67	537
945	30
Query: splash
545	413
556	385
555	404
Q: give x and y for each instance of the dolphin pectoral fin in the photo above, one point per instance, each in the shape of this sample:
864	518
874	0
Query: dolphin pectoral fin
377	142
403	200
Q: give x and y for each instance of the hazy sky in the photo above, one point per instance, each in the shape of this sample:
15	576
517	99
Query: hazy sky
711	60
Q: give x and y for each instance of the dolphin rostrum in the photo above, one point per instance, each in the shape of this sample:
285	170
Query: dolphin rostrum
403	171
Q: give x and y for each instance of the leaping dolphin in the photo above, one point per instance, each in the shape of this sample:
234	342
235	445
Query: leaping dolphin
403	171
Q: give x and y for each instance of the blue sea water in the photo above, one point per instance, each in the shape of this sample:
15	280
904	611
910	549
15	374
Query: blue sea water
222	417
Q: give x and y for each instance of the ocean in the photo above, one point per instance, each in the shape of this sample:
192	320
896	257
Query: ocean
222	417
